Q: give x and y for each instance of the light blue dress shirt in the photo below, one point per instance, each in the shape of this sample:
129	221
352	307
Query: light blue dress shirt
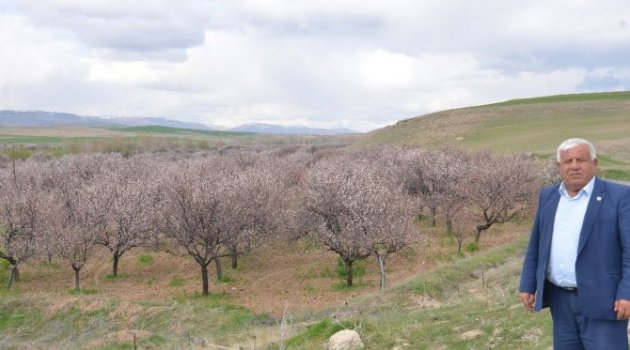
566	235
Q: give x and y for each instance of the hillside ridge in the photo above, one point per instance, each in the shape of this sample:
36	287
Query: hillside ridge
521	125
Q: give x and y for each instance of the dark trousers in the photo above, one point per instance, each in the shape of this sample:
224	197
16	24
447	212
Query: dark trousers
573	331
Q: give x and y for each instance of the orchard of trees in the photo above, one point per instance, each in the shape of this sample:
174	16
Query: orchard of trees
208	205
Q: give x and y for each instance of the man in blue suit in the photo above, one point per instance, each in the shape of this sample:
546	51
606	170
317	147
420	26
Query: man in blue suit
578	259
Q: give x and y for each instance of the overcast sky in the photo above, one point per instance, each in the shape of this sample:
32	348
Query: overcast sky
358	64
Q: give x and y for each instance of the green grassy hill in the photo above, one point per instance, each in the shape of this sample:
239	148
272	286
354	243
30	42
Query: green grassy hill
529	125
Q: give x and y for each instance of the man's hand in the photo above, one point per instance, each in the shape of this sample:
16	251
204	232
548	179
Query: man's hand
528	301
622	308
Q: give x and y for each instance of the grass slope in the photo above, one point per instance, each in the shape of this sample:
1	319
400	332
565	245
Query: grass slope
469	304
529	125
599	96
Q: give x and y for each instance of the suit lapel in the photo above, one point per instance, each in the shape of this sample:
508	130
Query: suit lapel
592	212
549	210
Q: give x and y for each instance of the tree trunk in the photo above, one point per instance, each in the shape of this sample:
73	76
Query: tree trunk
16	272
234	260
76	277
460	241
217	264
433	216
204	280
349	273
481	228
490	220
478	234
381	265
116	258
449	224
12	272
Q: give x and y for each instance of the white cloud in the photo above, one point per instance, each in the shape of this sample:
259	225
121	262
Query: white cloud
29	55
352	63
33	58
580	22
129	28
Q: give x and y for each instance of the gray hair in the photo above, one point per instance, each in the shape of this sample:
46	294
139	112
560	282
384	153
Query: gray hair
570	143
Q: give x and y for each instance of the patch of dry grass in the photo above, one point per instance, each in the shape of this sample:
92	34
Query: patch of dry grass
297	276
292	282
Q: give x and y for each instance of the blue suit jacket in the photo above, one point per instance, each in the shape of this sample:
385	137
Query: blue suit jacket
603	260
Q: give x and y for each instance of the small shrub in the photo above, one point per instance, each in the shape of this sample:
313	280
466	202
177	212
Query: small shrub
472	247
226	279
145	260
4	271
156	339
358	268
176	282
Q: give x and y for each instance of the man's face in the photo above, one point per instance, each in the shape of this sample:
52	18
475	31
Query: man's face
576	168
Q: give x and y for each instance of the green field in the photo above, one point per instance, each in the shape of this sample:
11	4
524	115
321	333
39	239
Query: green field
26	139
181	131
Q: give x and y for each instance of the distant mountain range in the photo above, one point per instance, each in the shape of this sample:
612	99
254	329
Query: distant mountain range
41	119
35	119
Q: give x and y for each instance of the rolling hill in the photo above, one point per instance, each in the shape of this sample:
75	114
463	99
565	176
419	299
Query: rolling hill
525	125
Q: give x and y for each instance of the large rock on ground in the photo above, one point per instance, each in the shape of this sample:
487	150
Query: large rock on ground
345	340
